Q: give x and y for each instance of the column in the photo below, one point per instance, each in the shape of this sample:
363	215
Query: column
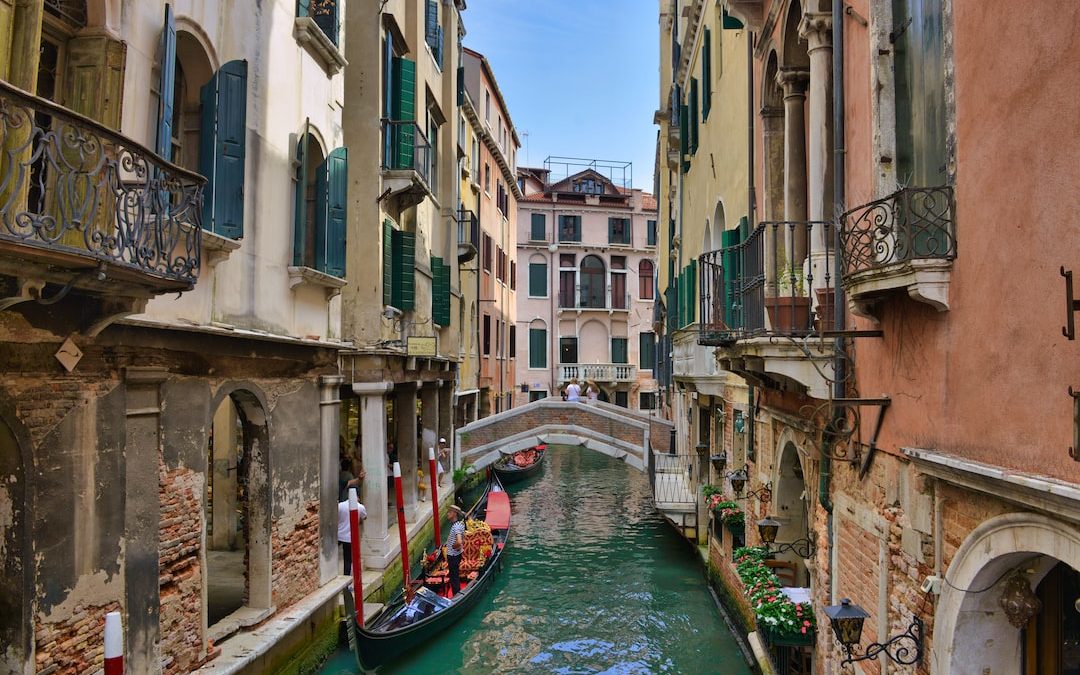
429	419
330	424
405	440
376	541
142	513
446	412
793	81
815	28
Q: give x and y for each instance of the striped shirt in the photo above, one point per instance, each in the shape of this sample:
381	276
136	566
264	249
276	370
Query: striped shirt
452	547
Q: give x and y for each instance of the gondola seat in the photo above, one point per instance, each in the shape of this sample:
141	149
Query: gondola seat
477	548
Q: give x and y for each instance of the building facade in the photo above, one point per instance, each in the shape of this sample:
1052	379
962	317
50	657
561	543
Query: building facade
865	425
586	257
171	259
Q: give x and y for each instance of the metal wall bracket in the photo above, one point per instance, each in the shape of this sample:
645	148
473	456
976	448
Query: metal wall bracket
882	404
1074	449
1071	306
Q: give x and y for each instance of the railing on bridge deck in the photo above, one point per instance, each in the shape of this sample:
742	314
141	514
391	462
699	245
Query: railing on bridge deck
597	372
672	478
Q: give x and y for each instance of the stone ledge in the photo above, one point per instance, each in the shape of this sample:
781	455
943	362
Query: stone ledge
300	275
322	49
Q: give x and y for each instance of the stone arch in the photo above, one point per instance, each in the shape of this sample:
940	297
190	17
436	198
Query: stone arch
790	499
794	48
971	632
719	220
195	65
16	576
252	464
772	128
594	342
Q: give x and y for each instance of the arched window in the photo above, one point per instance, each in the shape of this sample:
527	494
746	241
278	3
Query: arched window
593	282
645	280
319	236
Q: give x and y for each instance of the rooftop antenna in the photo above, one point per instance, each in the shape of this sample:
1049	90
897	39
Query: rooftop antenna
525	133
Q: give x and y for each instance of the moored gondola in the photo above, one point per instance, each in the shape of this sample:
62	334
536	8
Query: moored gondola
406	624
521	464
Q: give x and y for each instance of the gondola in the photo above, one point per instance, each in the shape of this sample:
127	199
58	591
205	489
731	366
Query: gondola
521	464
401	627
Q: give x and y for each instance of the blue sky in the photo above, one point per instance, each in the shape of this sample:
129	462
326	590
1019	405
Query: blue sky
580	76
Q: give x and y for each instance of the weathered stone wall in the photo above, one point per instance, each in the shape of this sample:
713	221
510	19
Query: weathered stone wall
75	644
180	569
296	558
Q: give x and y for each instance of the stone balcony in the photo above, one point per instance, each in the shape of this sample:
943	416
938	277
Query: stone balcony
597	372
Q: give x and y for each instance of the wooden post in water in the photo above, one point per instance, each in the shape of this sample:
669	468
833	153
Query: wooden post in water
434	498
354	546
403	533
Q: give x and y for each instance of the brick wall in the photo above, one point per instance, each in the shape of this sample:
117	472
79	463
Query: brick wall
180	572
75	645
295	565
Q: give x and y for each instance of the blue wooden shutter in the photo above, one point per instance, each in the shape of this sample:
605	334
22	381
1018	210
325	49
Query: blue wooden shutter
166	85
303	7
331	185
404	280
300	217
404	111
387	262
222	149
326	18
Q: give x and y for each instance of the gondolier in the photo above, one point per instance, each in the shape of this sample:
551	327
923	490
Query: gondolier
455	545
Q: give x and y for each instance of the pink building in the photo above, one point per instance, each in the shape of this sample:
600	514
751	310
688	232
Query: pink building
587	260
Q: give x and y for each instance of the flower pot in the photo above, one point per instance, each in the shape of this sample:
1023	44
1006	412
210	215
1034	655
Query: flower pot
738	535
789	314
825	314
778	639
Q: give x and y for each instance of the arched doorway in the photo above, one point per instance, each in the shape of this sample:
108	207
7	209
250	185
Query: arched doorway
789	509
237	508
15	579
593	282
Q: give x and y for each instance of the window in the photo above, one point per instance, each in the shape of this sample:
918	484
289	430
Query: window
622	398
692	106
440	292
646	351
498	339
487	105
324	13
920	93
646	284
650	233
537	396
706	74
513	275
433	151
589	186
513	341
569	228
399	267
647	400
620	299
319	225
618	230
538	228
487	178
475	158
593	283
538	278
488	246
500	264
568	350
538	348
704	427
618	350
487	335
433	32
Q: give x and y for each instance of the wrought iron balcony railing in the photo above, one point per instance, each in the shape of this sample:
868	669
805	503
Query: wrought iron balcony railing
776	281
468	235
910	224
406	148
72	190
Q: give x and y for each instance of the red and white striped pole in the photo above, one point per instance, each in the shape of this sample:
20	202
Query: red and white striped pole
354	545
434	496
114	644
403	534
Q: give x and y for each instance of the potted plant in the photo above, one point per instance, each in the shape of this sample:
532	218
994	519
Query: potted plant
780	620
789	310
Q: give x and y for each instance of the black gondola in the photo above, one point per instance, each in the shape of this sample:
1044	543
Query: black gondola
521	464
401	627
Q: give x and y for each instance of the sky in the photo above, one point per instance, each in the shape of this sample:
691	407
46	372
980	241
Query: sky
581	77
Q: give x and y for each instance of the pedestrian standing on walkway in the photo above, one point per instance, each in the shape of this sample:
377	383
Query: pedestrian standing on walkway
573	390
455	546
344	531
443	456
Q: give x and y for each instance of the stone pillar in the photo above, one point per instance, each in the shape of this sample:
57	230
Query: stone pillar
330	422
142	513
793	81
376	540
772	136
446	411
815	29
430	418
405	440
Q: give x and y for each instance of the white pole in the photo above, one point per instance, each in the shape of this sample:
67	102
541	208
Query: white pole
114	644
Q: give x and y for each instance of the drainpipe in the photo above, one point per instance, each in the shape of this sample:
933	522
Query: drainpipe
751	201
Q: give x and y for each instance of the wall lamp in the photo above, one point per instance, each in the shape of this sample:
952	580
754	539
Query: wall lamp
847	620
738	479
767	529
719	462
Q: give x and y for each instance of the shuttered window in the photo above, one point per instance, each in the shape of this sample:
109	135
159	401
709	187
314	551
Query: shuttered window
433	31
618	350
706	74
538	227
513	341
538	348
569	228
646	351
650	233
538	278
440	292
222	149
403	293
388	262
167	87
331	197
692	104
403	139
325	13
684	138
618	230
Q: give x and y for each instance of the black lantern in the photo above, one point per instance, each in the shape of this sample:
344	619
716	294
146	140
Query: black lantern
738	480
719	462
767	529
847	621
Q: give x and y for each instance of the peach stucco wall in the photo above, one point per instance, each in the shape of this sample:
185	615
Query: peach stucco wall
988	378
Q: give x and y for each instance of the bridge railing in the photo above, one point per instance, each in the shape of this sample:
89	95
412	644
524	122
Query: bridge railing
672	478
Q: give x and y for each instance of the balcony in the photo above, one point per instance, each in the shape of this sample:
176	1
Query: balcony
468	237
86	209
767	301
583	301
597	372
406	162
906	242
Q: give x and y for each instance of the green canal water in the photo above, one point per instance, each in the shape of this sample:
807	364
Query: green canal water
594	582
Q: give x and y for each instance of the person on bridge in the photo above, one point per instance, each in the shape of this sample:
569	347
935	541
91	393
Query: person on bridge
455	546
573	390
591	392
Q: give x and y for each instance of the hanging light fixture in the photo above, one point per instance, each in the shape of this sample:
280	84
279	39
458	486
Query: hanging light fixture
738	479
719	462
768	529
1018	600
847	621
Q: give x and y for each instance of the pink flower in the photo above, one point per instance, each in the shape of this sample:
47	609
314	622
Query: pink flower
807	624
804	631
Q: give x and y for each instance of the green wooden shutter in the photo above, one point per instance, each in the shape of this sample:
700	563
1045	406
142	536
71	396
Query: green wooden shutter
404	111
684	138
618	350
166	85
730	23
694	110
538	277
538	348
222	149
729	260
404	280
94	78
300	208
440	292
539	227
387	262
706	74
331	188
461	85
646	351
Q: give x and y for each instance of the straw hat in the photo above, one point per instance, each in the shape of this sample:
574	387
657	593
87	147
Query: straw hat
456	509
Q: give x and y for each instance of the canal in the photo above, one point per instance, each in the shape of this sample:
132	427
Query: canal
595	581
